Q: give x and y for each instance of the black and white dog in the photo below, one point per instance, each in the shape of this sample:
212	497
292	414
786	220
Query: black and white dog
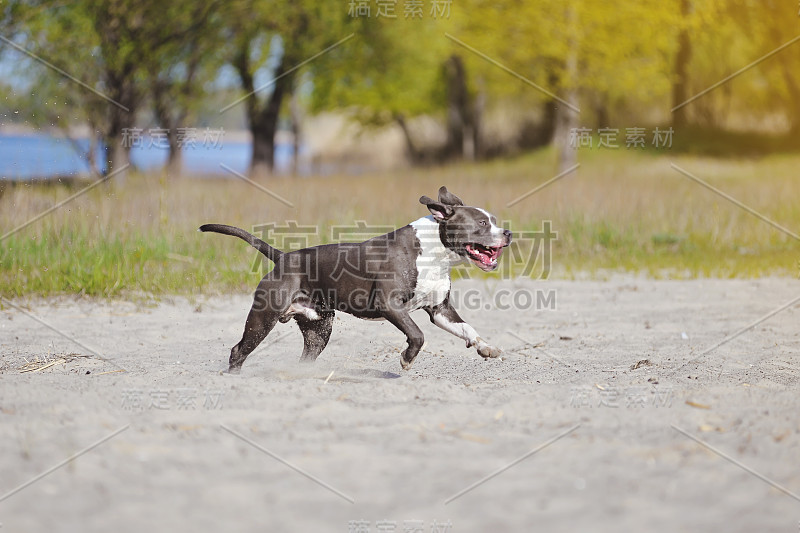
383	278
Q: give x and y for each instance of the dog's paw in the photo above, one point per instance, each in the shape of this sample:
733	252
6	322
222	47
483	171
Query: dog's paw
406	364
489	352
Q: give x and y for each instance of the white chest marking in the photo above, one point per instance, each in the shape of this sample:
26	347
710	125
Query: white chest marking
433	265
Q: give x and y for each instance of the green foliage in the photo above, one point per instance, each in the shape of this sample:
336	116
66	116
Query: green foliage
109	54
391	67
269	30
625	55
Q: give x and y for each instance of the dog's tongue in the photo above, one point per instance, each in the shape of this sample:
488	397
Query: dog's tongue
486	255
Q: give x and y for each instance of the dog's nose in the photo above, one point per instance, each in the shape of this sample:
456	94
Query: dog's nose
507	235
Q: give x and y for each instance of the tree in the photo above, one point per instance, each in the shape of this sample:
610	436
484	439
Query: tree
680	82
396	70
271	41
105	50
575	52
181	70
774	86
463	120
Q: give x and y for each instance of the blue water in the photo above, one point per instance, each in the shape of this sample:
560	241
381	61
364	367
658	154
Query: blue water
24	157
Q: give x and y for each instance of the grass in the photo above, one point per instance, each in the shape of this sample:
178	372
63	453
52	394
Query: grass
622	211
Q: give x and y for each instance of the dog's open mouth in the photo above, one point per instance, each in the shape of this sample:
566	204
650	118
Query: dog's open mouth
484	256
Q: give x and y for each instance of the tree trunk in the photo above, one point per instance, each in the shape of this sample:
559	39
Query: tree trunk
117	150
170	120
601	110
120	86
477	123
680	84
263	123
550	118
566	117
122	91
413	153
566	122
174	166
91	155
459	115
117	156
296	120
262	161
793	106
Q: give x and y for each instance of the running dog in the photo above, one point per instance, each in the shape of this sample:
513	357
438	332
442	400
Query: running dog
383	278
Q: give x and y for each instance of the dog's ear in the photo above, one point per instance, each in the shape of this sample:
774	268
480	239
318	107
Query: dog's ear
446	197
439	210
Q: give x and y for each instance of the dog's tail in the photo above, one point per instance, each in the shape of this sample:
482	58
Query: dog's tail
272	253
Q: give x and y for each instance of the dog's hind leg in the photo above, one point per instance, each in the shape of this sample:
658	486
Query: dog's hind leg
259	324
270	302
316	334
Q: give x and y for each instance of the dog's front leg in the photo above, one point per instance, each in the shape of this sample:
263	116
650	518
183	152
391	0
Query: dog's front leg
444	316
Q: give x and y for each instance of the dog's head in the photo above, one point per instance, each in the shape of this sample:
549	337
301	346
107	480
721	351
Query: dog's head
470	232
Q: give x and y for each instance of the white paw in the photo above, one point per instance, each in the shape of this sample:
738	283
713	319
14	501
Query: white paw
487	351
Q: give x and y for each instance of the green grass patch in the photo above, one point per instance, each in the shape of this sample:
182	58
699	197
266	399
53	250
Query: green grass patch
620	212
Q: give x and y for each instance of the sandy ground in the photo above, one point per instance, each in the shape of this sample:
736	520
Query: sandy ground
586	439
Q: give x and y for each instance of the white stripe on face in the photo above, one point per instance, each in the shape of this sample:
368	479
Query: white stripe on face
497	231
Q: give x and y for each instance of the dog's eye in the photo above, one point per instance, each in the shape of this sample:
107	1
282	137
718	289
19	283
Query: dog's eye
483	222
